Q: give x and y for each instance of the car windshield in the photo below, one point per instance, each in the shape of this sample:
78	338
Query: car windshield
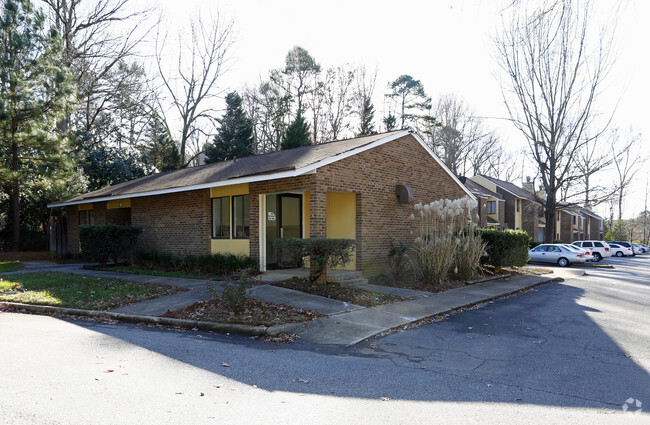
573	248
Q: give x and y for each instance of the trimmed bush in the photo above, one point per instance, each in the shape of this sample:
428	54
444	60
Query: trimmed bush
211	264
103	241
322	253
505	248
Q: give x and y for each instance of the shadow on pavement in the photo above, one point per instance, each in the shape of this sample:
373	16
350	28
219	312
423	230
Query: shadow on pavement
541	347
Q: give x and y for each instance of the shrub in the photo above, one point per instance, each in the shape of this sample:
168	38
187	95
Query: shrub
218	263
469	251
103	241
234	292
322	253
438	230
506	248
397	258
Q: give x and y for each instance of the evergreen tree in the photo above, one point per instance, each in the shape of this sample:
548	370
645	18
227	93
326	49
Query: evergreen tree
34	92
160	149
235	135
297	134
390	122
107	166
367	115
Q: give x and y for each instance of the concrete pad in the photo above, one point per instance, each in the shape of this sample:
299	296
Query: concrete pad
375	317
160	306
334	331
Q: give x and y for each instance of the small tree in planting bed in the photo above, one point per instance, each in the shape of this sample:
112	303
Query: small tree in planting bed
322	253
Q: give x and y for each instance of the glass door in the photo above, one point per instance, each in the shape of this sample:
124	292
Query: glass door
283	220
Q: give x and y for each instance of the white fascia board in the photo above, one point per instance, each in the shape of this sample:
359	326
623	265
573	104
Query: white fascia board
442	164
230	182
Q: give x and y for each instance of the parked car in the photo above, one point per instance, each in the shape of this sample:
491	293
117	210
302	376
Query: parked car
625	244
638	249
619	250
599	249
588	255
645	247
555	253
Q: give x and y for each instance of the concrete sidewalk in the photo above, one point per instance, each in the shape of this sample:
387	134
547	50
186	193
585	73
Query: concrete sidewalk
346	324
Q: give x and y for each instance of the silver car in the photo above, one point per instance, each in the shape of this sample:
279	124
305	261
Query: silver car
588	255
556	254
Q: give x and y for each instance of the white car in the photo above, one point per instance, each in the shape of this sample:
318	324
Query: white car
599	249
588	255
619	250
556	254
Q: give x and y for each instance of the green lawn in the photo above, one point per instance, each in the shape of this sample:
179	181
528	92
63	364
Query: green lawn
11	266
156	272
77	291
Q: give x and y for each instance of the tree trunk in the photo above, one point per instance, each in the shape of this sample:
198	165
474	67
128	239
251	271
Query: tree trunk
15	201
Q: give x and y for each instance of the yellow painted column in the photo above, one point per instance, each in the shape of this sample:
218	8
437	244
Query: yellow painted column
342	220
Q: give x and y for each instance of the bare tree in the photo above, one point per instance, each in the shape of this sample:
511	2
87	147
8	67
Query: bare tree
590	160
192	83
97	36
362	100
553	76
338	100
626	162
269	107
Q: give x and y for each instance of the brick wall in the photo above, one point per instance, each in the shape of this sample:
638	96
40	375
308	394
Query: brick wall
175	223
566	227
530	218
72	228
373	175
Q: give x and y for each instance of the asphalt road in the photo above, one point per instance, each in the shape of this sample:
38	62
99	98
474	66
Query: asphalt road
573	352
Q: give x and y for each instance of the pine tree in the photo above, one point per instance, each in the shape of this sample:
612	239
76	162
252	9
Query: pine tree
367	115
160	149
235	135
34	92
297	134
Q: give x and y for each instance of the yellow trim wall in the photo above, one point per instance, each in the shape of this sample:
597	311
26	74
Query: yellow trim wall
518	213
485	183
85	207
118	203
306	213
234	190
230	245
342	220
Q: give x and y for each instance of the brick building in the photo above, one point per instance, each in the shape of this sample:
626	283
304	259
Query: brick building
491	205
362	189
522	209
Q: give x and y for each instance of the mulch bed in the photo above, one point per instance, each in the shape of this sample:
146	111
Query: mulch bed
336	292
411	283
254	312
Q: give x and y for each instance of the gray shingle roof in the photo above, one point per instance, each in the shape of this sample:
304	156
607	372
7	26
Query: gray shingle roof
256	165
477	189
510	187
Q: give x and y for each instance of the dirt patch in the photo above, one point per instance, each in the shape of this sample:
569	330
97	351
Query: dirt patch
254	312
336	292
26	256
487	272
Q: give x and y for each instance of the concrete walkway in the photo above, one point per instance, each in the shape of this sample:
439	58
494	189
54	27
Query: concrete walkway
346	324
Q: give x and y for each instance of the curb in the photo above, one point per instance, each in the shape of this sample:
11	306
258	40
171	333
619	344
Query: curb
137	318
